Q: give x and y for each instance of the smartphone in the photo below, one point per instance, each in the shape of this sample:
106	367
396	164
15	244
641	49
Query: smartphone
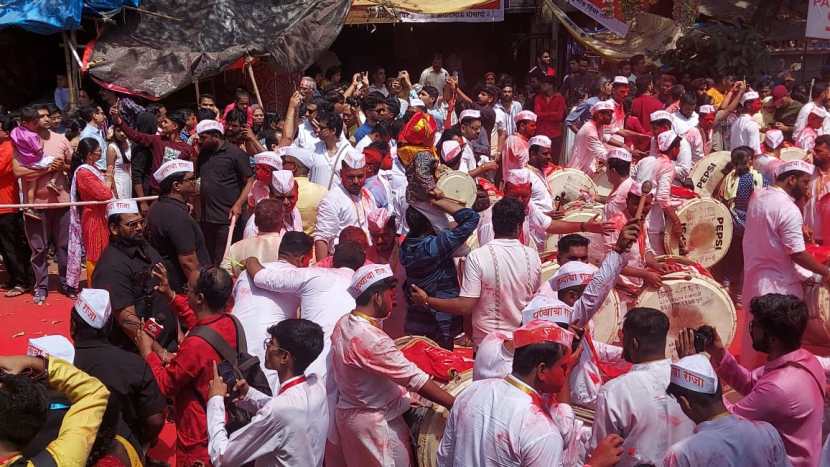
227	374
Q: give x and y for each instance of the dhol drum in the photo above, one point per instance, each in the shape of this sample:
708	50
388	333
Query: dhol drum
458	186
578	211
707	173
604	187
607	319
794	154
691	300
568	185
427	421
707	231
817	296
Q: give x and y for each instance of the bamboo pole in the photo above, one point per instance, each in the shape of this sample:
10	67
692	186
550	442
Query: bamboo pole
70	73
256	88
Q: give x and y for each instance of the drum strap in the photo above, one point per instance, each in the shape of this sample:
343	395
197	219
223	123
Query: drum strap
333	165
607	370
497	292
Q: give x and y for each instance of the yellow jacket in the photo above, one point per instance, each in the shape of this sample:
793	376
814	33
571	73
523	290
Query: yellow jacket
88	397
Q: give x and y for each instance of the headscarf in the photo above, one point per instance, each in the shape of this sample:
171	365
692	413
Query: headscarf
416	136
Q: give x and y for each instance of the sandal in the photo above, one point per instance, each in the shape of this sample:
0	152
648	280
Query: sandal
16	291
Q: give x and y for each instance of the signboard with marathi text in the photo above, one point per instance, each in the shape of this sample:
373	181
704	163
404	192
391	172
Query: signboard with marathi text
596	10
818	19
489	12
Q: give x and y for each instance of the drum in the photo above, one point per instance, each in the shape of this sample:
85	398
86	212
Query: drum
609	316
816	337
691	300
582	212
458	186
608	319
707	173
568	185
604	187
426	422
794	154
707	231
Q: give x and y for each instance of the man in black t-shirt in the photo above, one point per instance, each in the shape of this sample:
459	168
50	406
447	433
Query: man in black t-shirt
225	181
125	271
170	227
125	374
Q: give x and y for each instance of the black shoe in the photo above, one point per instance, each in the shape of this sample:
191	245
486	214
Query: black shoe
70	292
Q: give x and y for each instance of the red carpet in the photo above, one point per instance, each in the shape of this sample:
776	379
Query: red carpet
23	319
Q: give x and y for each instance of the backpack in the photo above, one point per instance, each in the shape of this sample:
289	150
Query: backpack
245	366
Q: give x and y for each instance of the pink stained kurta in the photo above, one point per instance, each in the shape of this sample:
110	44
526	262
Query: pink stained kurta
788	393
588	149
515	153
813	216
372	377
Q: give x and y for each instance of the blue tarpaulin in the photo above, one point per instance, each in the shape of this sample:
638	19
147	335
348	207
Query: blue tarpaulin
51	16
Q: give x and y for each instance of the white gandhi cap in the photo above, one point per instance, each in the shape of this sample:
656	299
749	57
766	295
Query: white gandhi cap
172	167
54	345
368	275
93	306
695	373
547	308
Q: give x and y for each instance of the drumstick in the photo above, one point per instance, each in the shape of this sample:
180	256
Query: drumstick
230	236
647	187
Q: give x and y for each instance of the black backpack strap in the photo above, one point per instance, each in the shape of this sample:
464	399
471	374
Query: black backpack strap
216	341
241	342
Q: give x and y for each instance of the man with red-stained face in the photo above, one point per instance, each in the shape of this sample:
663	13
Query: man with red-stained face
530	434
265	163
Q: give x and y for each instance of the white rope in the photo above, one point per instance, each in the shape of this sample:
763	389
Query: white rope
66	205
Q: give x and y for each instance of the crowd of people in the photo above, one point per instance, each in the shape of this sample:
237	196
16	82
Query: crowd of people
245	274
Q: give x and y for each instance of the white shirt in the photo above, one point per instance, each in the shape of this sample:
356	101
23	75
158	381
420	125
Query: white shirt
745	132
539	192
801	120
436	79
468	158
371	373
326	169
660	170
588	149
618	199
494	423
510	120
773	232
323	296
493	360
503	275
729	441
635	406
287	430
306	137
296	224
259	309
340	209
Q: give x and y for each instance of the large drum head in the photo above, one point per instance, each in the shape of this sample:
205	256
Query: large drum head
794	154
583	212
707	231
604	187
708	173
429	429
608	318
568	185
817	335
458	186
690	301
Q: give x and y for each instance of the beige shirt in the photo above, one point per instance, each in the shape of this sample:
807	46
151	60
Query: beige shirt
309	196
57	146
264	247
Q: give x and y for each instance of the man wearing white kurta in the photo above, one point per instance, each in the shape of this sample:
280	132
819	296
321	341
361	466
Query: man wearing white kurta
329	151
502	276
322	292
720	438
745	130
288	429
344	205
589	148
539	157
373	377
635	405
286	191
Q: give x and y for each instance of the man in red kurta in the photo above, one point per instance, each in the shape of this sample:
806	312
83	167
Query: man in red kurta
186	378
550	108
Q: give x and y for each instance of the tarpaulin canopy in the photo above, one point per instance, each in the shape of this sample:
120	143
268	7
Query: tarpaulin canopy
647	33
421	6
154	55
51	16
